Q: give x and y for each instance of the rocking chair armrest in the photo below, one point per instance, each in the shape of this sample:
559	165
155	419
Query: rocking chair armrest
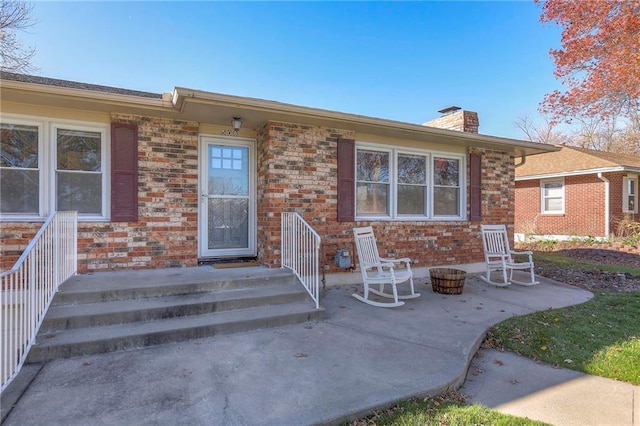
402	259
389	265
496	254
527	252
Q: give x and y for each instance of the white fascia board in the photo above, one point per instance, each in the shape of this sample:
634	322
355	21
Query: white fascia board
577	173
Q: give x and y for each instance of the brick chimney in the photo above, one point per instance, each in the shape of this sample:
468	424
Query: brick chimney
455	118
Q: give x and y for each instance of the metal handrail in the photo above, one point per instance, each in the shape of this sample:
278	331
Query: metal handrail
300	252
27	289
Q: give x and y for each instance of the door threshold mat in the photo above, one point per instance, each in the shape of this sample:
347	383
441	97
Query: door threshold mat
225	265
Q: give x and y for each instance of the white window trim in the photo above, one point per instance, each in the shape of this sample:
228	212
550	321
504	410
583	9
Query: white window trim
543	182
625	194
393	159
47	165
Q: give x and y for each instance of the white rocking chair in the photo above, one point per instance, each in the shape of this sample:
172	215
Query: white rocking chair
378	270
498	256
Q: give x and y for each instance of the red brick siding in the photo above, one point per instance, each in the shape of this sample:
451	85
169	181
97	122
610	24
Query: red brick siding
166	233
297	171
297	166
584	207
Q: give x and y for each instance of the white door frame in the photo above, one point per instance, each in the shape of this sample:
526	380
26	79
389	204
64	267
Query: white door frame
203	232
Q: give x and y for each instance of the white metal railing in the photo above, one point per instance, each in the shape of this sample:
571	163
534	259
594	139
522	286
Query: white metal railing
300	250
26	290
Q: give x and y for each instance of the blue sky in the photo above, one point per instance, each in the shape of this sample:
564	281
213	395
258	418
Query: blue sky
396	60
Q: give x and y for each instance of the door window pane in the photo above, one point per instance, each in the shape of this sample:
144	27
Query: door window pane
228	171
228	223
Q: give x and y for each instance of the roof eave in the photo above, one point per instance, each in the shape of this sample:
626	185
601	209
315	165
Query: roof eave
84	98
580	172
279	111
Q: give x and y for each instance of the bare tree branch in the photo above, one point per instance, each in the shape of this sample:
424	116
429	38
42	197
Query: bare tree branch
15	16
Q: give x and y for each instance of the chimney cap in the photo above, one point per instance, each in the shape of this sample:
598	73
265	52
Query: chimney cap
449	110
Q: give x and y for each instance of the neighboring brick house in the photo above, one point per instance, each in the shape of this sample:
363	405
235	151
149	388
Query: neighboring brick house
575	193
164	180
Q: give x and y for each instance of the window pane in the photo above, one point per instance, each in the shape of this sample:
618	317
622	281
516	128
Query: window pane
79	191
19	191
412	169
372	198
632	204
632	186
228	176
372	166
446	171
553	204
446	201
228	223
411	199
18	146
553	189
79	150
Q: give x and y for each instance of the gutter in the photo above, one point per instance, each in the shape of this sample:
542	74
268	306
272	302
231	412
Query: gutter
607	206
580	172
182	96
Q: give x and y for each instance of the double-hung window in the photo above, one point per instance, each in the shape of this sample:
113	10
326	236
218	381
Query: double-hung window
552	196
48	166
630	194
400	184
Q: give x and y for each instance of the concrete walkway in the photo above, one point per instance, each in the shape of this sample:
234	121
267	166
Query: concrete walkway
361	358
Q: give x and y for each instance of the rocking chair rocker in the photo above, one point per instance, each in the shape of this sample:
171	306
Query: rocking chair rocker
378	270
498	256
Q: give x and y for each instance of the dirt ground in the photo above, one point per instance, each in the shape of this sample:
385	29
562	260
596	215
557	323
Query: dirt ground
594	279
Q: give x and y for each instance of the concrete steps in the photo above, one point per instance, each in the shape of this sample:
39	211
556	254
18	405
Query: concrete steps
108	312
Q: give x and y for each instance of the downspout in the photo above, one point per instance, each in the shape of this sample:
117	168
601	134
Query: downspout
523	159
607	207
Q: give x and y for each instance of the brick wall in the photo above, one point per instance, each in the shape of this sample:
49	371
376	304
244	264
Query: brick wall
297	166
461	121
297	171
166	232
584	207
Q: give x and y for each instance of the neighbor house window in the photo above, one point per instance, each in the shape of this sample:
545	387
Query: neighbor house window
630	194
408	185
552	200
48	166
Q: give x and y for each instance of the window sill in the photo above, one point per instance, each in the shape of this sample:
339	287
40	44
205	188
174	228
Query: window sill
408	219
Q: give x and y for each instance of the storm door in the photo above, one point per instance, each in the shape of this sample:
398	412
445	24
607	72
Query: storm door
227	215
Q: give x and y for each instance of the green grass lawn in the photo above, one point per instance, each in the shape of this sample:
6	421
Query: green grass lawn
600	337
445	410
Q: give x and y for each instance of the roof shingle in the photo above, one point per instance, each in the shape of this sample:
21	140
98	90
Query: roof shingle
574	159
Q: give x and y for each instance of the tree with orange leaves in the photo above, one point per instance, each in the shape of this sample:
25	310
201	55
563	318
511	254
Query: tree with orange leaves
599	61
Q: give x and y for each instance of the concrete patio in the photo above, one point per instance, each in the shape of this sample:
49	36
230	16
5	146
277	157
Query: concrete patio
359	359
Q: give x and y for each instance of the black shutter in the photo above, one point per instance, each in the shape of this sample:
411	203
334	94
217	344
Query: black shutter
475	186
346	180
124	172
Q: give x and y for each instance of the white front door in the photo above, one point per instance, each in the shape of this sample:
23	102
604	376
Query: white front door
227	217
